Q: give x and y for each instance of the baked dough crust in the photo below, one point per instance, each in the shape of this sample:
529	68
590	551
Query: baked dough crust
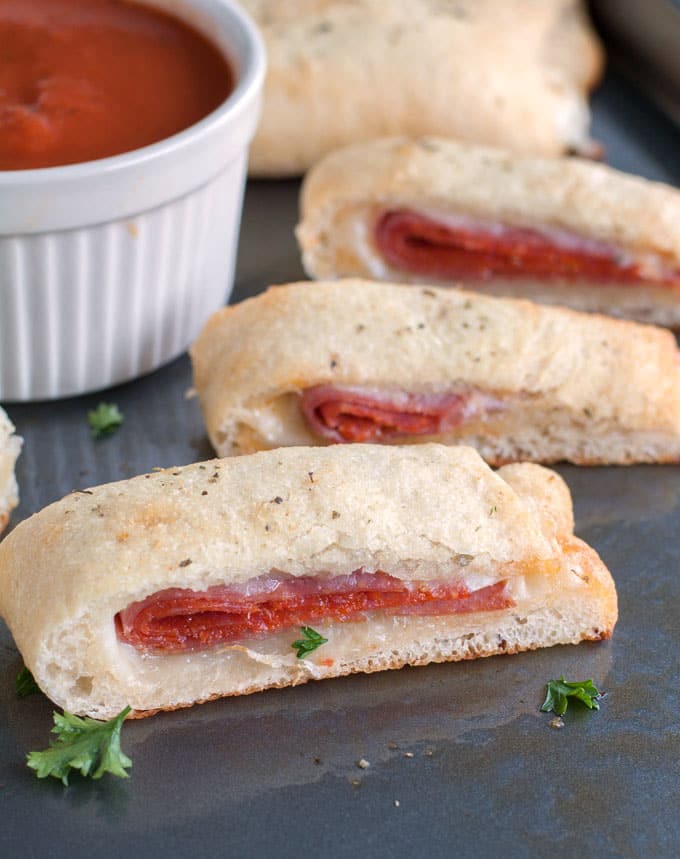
10	447
66	572
511	73
578	386
346	192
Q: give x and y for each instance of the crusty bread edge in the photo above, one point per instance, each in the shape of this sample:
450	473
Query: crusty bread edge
440	174
609	449
593	436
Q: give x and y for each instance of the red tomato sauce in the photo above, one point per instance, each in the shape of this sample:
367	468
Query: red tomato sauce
86	79
417	243
178	619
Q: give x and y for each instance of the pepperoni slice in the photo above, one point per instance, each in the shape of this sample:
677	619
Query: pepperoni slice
353	414
177	619
420	244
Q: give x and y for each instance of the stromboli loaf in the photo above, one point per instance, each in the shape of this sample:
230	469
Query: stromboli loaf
10	446
515	380
428	516
512	73
557	231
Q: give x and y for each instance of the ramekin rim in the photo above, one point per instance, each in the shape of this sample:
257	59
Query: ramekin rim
245	90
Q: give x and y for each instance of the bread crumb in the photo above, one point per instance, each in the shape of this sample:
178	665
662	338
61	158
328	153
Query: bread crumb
397	803
408	754
363	764
557	722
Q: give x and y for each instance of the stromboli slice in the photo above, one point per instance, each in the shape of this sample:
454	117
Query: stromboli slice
557	231
511	73
252	535
317	363
10	446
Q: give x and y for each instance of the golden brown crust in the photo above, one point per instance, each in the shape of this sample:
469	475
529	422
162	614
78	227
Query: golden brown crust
511	73
67	571
575	386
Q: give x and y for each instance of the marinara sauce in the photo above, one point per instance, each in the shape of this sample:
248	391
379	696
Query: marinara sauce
86	79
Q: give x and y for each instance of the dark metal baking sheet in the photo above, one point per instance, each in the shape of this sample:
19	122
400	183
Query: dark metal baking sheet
462	764
643	41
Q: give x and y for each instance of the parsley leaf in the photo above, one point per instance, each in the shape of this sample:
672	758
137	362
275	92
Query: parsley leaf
104	420
24	684
559	691
83	744
312	639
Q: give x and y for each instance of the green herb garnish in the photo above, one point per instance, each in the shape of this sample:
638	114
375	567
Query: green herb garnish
310	642
104	420
25	684
559	691
87	745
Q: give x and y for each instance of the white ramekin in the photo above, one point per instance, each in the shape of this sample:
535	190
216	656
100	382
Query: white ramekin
109	268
